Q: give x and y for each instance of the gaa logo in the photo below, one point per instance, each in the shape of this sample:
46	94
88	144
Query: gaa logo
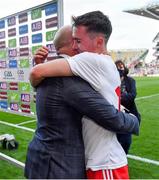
20	72
7	74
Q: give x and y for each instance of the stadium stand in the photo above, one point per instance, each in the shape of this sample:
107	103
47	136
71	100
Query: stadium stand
132	58
150	10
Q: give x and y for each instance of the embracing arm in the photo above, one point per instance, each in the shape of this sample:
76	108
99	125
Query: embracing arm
54	68
89	102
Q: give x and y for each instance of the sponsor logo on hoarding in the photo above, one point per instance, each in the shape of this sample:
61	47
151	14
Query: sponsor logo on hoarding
13	64
23	17
36	13
52	52
51	47
4	104
35	48
23	40
3	64
36	26
3	95
51	9
24	63
2	44
13	86
14	96
23	29
11	32
50	35
2	34
21	74
11	21
12	52
25	97
12	43
25	87
3	54
2	24
37	38
8	75
14	106
24	51
51	22
25	108
3	85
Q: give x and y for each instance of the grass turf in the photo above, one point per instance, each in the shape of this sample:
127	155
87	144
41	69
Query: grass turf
146	145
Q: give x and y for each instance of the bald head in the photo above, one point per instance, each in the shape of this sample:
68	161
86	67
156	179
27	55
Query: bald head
63	37
63	41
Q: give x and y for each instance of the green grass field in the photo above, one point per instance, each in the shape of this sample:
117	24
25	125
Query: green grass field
145	145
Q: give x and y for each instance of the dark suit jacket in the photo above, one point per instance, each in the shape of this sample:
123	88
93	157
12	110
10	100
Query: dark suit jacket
57	149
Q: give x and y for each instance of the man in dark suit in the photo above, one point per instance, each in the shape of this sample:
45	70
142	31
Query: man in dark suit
57	149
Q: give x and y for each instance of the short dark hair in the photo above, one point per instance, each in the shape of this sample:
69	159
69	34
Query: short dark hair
95	22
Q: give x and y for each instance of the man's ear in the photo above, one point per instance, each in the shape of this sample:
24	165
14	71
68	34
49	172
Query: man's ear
100	41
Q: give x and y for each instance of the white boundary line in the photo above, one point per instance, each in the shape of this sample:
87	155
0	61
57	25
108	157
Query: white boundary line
129	156
18	113
12	160
25	122
143	159
145	97
14	125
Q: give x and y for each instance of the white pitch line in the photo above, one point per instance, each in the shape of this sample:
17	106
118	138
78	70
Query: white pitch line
129	156
145	97
18	113
25	122
14	125
12	160
145	160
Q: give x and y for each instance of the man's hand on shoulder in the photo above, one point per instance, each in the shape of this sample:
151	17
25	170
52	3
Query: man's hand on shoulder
41	55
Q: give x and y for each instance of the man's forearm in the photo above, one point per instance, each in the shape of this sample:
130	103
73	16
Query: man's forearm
54	68
36	76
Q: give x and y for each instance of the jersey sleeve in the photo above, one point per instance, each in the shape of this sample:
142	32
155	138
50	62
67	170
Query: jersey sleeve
85	65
